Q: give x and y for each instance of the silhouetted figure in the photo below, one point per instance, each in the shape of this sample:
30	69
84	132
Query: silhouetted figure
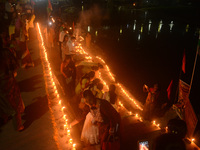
169	142
151	101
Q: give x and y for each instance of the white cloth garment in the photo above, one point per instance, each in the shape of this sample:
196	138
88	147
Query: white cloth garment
90	132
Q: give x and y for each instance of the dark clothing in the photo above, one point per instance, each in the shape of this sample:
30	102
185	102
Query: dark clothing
10	97
70	71
113	97
109	114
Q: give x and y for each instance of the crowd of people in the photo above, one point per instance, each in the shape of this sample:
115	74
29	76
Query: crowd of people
17	22
85	91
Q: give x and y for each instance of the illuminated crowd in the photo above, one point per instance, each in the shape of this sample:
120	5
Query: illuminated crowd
93	102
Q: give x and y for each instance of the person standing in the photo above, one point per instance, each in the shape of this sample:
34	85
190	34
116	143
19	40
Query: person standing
26	56
104	115
88	40
61	38
111	96
71	44
98	112
11	103
51	35
68	71
151	101
8	11
64	47
31	26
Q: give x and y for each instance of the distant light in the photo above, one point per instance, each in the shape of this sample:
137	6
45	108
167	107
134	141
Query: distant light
139	37
88	28
134	26
134	4
160	26
171	25
96	33
187	28
149	28
120	31
127	26
141	30
192	140
82	7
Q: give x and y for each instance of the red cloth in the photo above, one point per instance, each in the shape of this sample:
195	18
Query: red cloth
169	90
183	62
49	5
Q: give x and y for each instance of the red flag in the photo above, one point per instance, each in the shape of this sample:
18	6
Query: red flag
49	5
169	90
183	62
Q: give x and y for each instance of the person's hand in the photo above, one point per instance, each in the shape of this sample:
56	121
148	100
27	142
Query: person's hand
15	73
145	86
111	131
81	105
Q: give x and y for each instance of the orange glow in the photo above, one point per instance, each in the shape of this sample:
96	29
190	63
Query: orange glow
53	20
143	147
65	127
63	108
47	71
70	141
59	102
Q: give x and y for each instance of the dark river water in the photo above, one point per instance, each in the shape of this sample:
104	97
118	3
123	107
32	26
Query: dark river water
146	47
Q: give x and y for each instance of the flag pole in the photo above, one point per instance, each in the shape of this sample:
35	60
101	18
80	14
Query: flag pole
194	64
179	77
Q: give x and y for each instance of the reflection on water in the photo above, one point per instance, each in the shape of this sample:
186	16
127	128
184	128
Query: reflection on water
147	28
145	48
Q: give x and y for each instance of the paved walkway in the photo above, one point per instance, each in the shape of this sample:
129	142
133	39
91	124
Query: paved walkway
38	133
